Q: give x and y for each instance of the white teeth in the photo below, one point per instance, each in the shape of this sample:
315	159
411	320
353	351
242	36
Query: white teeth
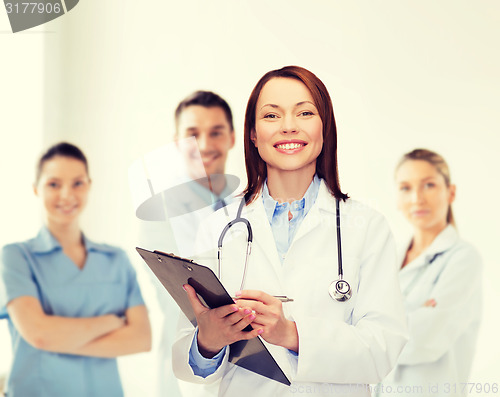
289	146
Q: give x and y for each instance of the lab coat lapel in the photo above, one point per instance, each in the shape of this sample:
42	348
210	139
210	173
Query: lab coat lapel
324	202
443	242
263	241
263	238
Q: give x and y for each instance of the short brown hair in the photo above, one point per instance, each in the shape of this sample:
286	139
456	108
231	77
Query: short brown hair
207	99
62	149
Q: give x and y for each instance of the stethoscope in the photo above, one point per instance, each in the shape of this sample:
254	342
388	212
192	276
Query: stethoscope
340	290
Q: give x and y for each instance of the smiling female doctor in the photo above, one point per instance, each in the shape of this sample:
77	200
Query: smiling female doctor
441	282
325	346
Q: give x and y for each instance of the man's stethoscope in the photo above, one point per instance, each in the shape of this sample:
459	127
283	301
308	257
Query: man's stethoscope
339	290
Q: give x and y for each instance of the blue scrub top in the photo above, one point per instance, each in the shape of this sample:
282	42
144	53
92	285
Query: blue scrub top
106	285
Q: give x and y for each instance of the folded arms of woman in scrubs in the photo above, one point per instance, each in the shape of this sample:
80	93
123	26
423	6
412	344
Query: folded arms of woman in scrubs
102	336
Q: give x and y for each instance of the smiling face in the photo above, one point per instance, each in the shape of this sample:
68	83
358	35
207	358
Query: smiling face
63	188
214	137
288	129
423	196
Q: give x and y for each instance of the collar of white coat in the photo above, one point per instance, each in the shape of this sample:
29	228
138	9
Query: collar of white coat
255	212
324	201
442	243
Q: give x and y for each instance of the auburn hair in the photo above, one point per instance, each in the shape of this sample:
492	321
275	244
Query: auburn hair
326	163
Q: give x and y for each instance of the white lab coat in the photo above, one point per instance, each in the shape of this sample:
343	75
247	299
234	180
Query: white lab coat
343	346
438	357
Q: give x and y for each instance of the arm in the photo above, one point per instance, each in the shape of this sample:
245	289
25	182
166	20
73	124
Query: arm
55	333
195	349
269	316
221	326
200	365
457	296
134	337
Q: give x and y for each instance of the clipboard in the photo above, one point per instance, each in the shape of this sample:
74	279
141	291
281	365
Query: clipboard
174	271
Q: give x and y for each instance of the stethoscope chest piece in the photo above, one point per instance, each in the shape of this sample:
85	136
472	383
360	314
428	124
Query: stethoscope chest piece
340	290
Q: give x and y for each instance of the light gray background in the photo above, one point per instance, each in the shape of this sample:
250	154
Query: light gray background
402	74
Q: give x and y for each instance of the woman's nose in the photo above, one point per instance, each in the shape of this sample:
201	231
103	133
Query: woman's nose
66	192
289	124
417	196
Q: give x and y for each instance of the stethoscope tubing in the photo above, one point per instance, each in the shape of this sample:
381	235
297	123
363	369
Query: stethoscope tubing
238	219
337	285
339	242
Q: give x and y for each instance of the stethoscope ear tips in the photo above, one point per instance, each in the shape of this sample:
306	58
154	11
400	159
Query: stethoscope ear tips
340	290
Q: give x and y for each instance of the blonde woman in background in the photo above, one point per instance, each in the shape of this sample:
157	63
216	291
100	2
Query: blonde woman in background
440	280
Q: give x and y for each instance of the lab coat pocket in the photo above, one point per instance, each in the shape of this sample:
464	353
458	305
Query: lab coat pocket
311	288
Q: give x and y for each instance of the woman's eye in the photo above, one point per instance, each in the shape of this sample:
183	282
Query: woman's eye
78	183
306	113
53	185
271	116
404	188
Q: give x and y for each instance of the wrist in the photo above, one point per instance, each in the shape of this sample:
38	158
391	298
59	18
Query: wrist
291	341
206	350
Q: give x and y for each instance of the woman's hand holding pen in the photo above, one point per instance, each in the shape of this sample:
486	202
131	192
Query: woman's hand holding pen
221	326
277	330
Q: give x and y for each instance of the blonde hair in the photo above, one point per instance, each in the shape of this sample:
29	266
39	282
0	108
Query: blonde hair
437	161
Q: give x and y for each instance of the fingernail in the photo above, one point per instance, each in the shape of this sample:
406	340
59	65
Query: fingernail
247	311
260	331
252	317
184	287
238	293
235	308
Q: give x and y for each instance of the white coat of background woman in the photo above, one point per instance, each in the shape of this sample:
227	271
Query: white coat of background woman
441	283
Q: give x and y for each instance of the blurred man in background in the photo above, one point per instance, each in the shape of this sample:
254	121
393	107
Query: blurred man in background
204	135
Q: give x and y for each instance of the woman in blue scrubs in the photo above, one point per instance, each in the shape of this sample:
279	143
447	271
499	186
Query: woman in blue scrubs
73	305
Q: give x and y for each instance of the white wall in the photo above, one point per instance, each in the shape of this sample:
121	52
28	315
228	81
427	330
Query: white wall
401	74
21	119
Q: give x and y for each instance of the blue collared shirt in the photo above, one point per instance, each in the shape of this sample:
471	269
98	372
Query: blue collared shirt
277	213
105	285
283	231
